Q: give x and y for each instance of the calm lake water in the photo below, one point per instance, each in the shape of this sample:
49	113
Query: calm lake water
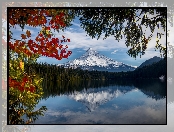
104	102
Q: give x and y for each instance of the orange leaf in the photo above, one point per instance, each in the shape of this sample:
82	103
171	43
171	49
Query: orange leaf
23	84
28	33
21	65
23	36
40	51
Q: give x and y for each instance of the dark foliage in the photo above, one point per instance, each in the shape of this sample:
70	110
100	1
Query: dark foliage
57	73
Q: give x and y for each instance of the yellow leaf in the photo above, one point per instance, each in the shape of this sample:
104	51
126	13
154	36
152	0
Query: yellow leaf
21	65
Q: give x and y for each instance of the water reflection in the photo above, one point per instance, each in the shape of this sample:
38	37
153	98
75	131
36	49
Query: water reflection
93	98
152	88
105	102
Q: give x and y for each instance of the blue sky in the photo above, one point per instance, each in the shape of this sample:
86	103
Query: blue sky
80	43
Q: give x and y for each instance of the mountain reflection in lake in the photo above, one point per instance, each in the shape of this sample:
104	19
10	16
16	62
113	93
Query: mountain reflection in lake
104	102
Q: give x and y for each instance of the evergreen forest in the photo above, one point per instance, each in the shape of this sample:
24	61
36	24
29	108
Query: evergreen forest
51	72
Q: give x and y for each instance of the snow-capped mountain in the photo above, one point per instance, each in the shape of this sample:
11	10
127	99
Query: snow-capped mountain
92	60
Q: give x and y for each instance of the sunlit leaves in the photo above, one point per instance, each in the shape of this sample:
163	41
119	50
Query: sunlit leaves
22	85
25	87
43	45
21	65
60	19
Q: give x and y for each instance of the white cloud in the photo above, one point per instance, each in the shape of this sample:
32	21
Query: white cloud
122	117
76	24
80	40
114	52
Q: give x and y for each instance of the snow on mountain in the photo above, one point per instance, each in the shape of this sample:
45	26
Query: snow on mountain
92	60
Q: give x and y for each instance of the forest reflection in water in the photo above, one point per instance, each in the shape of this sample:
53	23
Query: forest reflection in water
156	88
104	102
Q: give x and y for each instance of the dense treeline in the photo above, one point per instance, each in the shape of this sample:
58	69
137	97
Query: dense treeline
60	80
150	71
57	73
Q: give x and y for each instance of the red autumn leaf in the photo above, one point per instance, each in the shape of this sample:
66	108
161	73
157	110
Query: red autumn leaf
32	89
68	40
60	46
49	35
25	79
69	53
47	28
38	20
40	35
23	84
56	27
21	89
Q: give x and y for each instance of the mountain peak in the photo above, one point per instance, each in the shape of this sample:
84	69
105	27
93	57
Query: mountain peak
150	61
90	49
93	60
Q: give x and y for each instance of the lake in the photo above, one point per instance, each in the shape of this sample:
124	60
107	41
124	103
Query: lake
104	102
